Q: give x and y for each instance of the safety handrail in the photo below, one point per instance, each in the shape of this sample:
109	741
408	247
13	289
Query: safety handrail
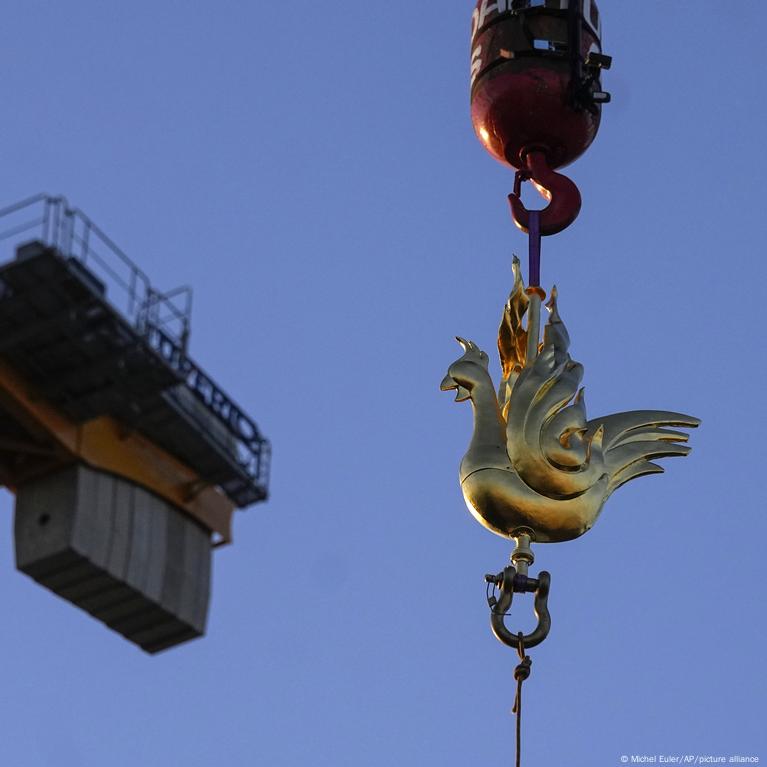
53	221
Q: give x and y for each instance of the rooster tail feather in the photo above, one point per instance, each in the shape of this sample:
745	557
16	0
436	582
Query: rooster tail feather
632	439
646	434
633	456
619	427
638	469
618	458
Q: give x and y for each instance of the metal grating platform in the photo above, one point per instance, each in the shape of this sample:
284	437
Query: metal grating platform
60	330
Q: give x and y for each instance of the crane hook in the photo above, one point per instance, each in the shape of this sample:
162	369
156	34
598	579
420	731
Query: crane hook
561	192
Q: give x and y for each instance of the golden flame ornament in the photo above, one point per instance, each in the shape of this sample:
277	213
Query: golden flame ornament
535	465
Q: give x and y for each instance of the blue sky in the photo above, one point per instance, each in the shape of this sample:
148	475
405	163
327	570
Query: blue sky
310	169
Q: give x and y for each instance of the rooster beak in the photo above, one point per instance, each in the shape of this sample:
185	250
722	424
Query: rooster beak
449	383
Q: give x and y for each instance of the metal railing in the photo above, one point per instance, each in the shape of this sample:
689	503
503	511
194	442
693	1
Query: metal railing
52	221
162	319
240	437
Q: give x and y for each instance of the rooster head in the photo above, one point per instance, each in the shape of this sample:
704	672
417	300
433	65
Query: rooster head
467	371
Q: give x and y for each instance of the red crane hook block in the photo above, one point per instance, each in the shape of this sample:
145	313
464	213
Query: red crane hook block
561	192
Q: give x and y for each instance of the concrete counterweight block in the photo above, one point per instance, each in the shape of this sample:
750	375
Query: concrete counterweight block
119	552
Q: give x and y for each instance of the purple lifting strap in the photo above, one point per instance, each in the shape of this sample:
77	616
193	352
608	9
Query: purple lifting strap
534	235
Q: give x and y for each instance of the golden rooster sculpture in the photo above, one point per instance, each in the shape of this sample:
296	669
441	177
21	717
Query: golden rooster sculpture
534	462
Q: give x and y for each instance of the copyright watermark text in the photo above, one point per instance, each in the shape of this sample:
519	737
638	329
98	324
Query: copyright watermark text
688	759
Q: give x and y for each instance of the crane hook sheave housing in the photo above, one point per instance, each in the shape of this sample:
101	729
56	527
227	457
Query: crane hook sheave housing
535	78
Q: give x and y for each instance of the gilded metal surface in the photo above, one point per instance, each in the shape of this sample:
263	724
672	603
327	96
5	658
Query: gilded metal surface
522	557
534	461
